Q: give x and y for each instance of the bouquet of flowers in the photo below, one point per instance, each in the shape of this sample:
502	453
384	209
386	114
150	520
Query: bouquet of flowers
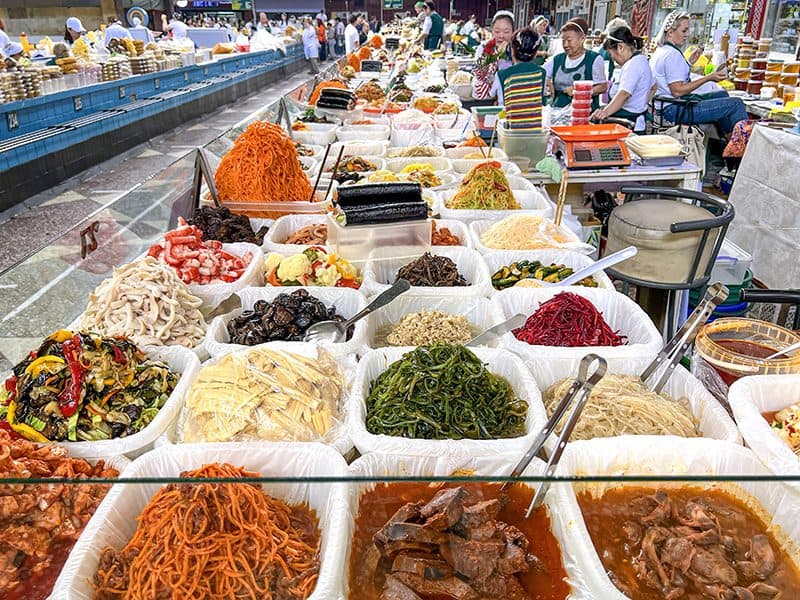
486	68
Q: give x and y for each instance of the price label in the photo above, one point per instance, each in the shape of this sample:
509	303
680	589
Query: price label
489	121
373	66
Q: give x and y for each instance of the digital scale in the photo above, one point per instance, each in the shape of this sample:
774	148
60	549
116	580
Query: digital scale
592	146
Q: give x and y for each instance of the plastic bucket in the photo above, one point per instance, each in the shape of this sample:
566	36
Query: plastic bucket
529	145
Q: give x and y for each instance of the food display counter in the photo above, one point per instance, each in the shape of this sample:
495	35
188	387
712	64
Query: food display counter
231	456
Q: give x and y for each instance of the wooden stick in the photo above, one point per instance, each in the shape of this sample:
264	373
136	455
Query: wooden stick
480	148
319	175
491	142
333	173
562	196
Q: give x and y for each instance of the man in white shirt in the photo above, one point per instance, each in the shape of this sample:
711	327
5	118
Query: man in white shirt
321	15
339	31
351	35
178	28
115	31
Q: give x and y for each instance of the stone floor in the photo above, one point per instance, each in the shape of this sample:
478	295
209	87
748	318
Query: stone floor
45	216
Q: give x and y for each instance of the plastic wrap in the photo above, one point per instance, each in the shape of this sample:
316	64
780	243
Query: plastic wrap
620	312
478	228
651	455
115	521
712	420
347	302
477	311
498	361
439	163
357	133
214	294
464	165
380	274
531	199
179	360
749	397
395	465
275	240
217	415
359	148
421	135
496	259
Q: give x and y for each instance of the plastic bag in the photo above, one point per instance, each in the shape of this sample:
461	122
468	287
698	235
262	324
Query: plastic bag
712	420
347	302
480	314
559	116
499	362
395	465
276	392
214	294
530	198
457	228
380	274
652	455
478	228
749	398
275	240
497	259
422	135
115	521
620	312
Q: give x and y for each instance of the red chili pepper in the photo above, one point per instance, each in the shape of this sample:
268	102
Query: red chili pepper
119	356
11	388
348	283
70	397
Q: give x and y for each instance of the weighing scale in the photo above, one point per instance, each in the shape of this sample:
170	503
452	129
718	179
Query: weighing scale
592	146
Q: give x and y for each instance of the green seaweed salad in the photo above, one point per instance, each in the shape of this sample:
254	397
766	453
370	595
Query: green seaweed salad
443	391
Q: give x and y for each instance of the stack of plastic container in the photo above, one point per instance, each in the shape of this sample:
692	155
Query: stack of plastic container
581	102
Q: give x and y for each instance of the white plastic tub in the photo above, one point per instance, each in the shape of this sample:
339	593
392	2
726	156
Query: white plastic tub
463	165
531	199
347	302
620	312
439	163
498	361
462	152
478	311
115	521
478	228
365	147
496	259
363	132
317	133
654	456
275	240
214	294
458	229
380	274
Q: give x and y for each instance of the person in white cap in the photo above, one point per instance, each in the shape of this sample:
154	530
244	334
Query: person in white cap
10	52
115	31
73	30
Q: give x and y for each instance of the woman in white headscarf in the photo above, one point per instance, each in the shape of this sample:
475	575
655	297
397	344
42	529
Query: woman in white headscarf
673	78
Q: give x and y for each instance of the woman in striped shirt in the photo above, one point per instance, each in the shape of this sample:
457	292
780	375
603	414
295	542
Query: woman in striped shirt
520	88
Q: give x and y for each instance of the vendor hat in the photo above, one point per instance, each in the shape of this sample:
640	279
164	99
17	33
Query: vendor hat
75	24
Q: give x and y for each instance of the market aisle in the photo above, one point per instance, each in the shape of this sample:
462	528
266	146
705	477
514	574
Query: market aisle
47	215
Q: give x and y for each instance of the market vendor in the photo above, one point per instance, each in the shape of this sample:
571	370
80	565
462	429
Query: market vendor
419	7
311	45
539	25
178	28
73	30
115	30
137	26
493	55
636	85
432	28
673	77
521	86
11	52
575	64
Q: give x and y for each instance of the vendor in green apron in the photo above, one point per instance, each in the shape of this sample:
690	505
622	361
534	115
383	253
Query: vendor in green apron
521	86
433	28
575	64
539	25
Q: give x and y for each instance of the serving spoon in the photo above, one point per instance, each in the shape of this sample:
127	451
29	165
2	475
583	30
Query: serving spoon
595	267
333	331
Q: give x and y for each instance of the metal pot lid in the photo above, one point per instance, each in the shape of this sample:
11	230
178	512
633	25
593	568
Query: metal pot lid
652	216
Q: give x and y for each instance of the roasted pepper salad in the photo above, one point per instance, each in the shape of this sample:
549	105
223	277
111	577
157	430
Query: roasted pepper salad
80	386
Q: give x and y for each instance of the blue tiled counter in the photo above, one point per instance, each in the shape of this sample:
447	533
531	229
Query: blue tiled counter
47	139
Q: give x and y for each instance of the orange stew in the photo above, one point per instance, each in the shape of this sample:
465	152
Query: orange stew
544	580
686	543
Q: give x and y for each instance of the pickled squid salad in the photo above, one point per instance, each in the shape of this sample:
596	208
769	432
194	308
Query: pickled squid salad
81	386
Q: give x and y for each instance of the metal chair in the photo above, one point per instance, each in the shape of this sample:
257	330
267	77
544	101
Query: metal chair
717	225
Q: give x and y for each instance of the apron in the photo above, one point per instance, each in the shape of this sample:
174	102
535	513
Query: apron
434	39
564	77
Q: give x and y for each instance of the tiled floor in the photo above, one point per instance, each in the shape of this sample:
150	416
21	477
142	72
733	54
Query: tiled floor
48	215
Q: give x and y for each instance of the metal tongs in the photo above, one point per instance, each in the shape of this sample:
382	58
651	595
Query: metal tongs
674	350
578	394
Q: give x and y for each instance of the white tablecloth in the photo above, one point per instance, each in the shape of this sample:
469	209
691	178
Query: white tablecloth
766	196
